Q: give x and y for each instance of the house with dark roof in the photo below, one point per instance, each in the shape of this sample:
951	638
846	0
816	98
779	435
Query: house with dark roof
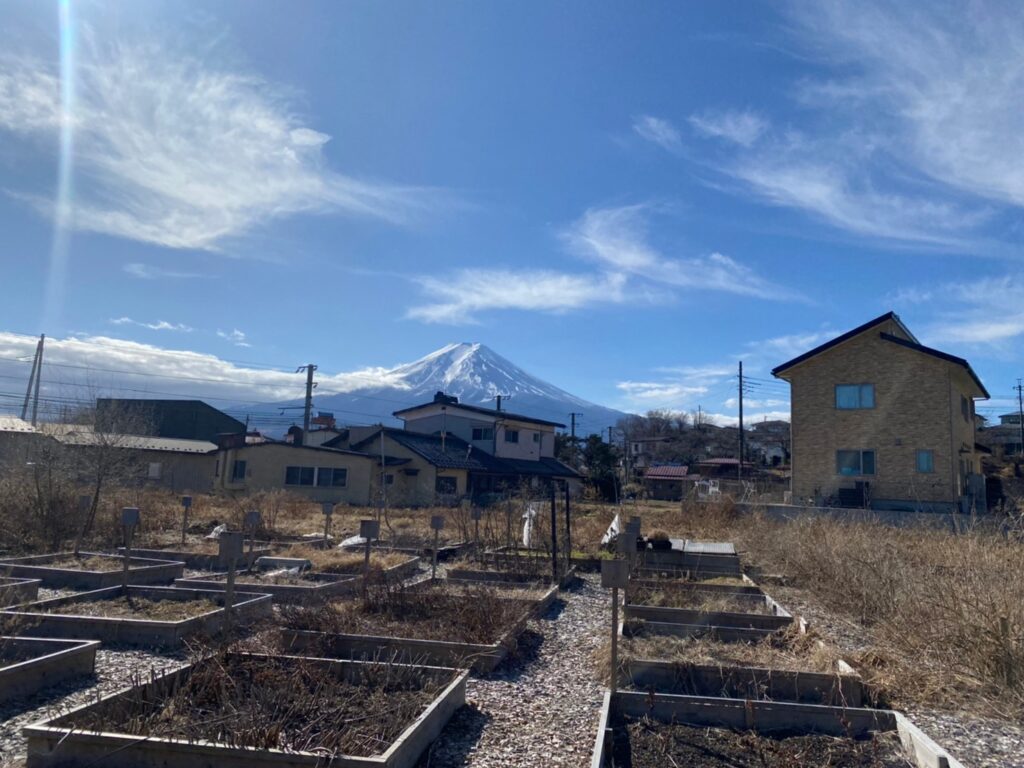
880	420
424	469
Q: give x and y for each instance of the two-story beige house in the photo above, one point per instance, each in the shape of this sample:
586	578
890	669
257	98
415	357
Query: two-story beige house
880	420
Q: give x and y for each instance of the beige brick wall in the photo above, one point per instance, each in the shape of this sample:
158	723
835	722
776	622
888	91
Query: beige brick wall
917	407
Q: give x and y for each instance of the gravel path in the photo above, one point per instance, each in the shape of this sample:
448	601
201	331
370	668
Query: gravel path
541	708
115	669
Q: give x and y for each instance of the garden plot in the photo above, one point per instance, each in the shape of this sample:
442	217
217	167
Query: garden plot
433	623
726	617
147	616
241	710
30	664
15	591
508	578
202	555
645	730
90	570
331	573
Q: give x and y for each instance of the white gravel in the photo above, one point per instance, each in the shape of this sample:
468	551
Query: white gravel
115	669
540	709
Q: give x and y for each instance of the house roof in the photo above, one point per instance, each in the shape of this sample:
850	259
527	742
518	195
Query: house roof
910	343
136	442
888	316
14	424
939	354
456	454
668	472
480	409
300	448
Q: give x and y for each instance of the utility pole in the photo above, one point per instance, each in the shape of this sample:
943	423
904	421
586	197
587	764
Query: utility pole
310	385
497	400
739	469
1020	413
572	433
33	382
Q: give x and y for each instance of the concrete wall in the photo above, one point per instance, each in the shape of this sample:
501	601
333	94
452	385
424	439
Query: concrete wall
917	407
948	521
179	471
265	471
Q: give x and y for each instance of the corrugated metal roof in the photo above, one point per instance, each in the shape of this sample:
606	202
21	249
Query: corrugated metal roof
710	547
14	424
667	472
137	442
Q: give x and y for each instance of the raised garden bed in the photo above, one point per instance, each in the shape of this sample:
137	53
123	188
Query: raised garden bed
445	551
511	558
728	585
204	557
246	710
30	664
699	600
499	576
473	628
161	616
15	591
90	570
334	573
645	730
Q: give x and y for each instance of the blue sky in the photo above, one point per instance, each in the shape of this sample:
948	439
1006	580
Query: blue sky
624	199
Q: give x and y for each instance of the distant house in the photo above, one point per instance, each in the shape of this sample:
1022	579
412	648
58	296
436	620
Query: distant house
319	473
880	419
668	482
181	419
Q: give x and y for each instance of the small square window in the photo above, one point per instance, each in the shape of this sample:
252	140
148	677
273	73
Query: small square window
483	433
536	437
855	396
154	470
238	470
854	463
511	435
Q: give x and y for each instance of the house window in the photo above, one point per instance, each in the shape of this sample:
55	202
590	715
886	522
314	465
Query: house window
536	437
299	475
389	479
855	396
965	409
447	486
154	470
511	435
483	433
238	470
852	463
331	477
925	461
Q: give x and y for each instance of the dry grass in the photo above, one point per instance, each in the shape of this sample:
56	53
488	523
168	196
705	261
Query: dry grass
339	561
89	563
944	610
695	600
136	608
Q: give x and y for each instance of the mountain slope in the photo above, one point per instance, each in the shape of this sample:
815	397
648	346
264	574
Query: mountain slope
474	373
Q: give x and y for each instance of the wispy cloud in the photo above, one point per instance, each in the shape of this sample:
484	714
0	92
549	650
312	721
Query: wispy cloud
743	128
660	393
457	299
235	336
915	138
617	238
186	152
150	272
159	325
658	131
986	311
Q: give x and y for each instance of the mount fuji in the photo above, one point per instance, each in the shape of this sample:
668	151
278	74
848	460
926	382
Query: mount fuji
472	372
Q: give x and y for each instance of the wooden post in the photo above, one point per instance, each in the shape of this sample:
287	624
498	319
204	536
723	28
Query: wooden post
252	522
554	535
129	520
328	509
230	550
568	529
614	574
368	531
437	523
186	504
476	513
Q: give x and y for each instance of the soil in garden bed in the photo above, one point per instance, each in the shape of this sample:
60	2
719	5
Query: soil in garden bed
87	563
672	580
284	703
138	608
707	602
643	743
785	651
473	615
